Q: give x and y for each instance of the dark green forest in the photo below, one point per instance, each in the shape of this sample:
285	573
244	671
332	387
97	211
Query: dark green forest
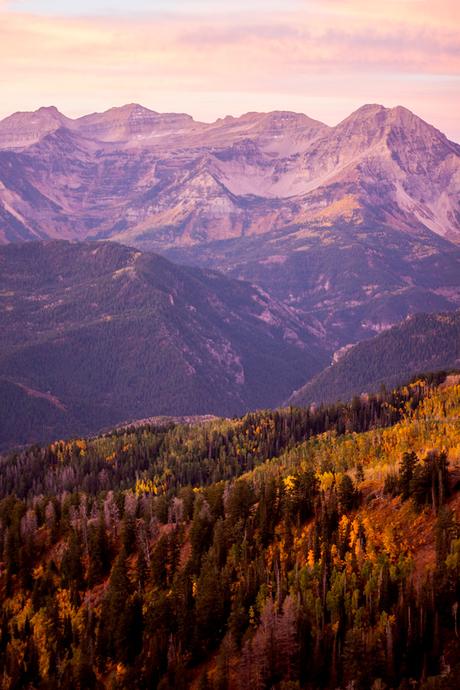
93	335
421	343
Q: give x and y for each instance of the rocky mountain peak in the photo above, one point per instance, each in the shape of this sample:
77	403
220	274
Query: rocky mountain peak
131	121
374	118
133	174
25	128
50	110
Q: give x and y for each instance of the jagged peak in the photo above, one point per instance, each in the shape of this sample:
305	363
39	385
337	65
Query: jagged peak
382	114
399	115
120	118
129	109
364	113
124	111
50	109
44	113
134	106
375	122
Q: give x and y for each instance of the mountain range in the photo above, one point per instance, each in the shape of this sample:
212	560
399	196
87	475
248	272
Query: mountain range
283	241
421	343
94	334
356	225
160	277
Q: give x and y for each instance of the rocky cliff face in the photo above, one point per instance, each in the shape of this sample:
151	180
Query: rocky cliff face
360	222
169	180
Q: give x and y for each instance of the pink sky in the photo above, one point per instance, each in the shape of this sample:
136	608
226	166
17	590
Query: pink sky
323	58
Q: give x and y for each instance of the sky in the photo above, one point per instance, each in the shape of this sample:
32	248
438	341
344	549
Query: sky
212	58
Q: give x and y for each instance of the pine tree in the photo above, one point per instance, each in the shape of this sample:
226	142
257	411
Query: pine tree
128	633
347	494
430	482
114	628
406	473
210	604
128	533
99	552
71	565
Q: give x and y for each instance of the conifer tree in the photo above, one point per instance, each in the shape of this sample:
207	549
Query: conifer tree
347	494
406	473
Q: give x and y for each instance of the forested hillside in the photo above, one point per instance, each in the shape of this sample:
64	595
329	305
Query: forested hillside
287	549
421	343
92	335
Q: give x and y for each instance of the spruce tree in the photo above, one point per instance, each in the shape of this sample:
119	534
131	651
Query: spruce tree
406	473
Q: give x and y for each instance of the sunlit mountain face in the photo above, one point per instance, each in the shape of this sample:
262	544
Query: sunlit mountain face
357	225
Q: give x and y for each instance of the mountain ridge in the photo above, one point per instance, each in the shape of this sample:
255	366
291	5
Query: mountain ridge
421	343
361	219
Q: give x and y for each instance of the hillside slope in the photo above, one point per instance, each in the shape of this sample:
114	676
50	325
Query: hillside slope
421	343
92	335
182	558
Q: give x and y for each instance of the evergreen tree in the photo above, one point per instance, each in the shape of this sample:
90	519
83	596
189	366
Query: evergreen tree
71	565
430	482
347	494
406	473
99	552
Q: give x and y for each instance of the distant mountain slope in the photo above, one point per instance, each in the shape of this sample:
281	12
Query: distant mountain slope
190	183
425	342
357	281
357	224
92	335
